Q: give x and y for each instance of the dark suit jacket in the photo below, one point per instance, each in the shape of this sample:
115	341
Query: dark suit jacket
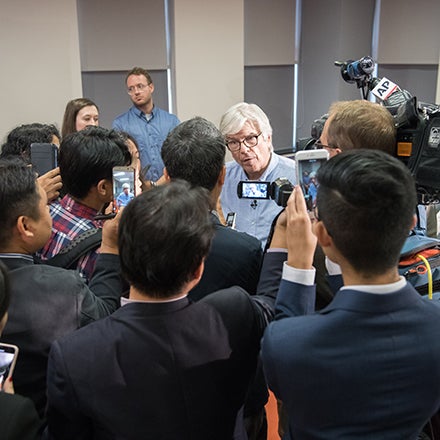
365	367
233	260
18	418
177	370
48	302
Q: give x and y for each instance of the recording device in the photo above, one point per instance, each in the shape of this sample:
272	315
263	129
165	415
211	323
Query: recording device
253	189
307	165
279	190
418	132
44	157
123	185
8	358
230	220
123	180
353	71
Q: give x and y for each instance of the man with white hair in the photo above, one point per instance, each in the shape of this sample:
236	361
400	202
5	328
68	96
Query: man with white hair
248	136
125	195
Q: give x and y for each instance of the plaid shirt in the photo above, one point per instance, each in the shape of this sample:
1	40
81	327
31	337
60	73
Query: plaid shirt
71	219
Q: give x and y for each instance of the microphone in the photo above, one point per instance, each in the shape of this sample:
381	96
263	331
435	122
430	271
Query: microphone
254	204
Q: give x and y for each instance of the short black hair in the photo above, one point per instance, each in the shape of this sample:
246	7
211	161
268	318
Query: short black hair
195	151
19	139
88	156
367	200
19	195
164	235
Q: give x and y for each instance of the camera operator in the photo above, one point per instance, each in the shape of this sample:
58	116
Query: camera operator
248	136
351	124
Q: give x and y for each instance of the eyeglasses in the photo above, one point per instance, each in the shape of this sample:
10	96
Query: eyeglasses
249	142
319	144
139	87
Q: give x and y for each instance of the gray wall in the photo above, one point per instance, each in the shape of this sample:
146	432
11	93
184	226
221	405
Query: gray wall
276	99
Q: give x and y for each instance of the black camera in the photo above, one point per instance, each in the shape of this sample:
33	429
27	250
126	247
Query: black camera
278	190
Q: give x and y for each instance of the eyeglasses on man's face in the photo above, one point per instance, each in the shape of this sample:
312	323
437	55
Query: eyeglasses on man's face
249	142
141	87
319	144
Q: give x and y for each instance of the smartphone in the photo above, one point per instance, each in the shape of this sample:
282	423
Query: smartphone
307	165
253	189
123	180
230	220
123	186
8	358
44	157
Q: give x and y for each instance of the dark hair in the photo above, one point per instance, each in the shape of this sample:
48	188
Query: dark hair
164	235
88	156
18	195
5	294
72	109
19	140
366	200
195	151
139	71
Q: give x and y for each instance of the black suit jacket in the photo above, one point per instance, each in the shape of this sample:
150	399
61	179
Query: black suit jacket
177	370
233	260
18	418
47	303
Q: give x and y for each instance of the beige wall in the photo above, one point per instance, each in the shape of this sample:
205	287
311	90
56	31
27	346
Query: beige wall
40	61
209	57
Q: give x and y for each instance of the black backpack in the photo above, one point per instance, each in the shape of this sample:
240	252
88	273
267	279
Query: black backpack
80	245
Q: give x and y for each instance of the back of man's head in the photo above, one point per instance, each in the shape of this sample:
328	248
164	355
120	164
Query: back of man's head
195	151
88	156
164	235
19	196
361	124
19	139
366	200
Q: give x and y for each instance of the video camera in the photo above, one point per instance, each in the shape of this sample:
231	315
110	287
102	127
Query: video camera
417	123
279	190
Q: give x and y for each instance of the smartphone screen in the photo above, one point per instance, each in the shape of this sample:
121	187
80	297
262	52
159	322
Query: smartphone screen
8	357
307	166
123	186
44	157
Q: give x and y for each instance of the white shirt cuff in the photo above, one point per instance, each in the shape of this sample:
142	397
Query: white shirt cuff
332	268
300	276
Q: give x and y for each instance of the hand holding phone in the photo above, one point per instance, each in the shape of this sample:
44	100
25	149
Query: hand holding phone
8	358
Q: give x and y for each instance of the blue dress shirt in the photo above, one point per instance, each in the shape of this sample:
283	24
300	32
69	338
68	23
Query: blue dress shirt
149	134
254	216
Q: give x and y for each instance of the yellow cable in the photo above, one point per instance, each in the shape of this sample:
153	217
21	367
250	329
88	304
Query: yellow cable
428	268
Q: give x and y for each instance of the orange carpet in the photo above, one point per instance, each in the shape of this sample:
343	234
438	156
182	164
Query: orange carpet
272	418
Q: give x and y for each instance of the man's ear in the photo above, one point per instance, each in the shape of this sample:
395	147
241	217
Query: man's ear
105	188
196	276
166	175
222	176
322	235
24	228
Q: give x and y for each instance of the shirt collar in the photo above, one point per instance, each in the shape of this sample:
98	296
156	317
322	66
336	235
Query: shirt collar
25	257
141	114
77	208
125	301
379	288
